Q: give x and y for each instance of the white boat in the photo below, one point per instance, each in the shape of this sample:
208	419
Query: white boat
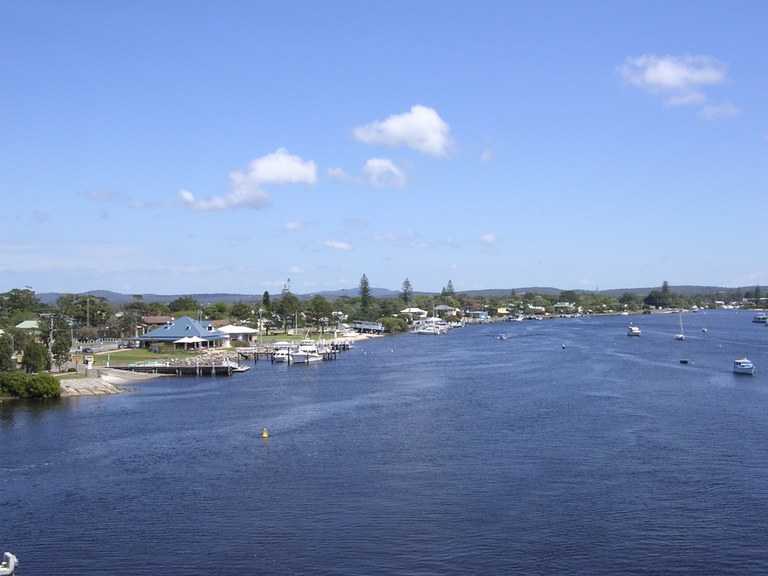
743	366
633	330
282	352
434	326
306	352
680	335
760	318
8	565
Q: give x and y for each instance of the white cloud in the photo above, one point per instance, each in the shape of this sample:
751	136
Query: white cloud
678	79
421	129
280	167
338	245
341	174
294	225
487	156
383	173
715	112
489	239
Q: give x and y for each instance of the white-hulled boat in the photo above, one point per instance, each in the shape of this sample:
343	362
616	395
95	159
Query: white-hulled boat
743	366
633	330
282	352
8	565
306	352
432	325
760	318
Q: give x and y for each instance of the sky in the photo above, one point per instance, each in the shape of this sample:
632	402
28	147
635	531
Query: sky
200	146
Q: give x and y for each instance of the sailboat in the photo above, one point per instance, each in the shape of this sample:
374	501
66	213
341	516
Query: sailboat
680	335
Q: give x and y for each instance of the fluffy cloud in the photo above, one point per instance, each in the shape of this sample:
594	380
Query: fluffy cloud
421	129
280	167
383	173
678	79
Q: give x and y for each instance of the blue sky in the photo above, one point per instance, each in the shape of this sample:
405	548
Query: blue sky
182	147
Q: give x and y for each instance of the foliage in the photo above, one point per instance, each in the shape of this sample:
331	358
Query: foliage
407	292
366	297
60	348
393	325
23	385
36	358
183	303
6	353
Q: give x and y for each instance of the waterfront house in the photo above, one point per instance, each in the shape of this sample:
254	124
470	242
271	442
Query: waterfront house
185	329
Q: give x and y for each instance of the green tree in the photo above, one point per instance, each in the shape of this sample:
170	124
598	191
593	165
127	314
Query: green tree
240	311
321	310
6	353
407	292
60	349
184	304
366	297
449	291
36	358
288	307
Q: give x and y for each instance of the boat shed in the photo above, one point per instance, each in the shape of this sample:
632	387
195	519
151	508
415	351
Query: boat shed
185	327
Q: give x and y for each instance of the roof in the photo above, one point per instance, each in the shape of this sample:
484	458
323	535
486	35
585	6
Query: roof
230	329
156	319
28	325
181	328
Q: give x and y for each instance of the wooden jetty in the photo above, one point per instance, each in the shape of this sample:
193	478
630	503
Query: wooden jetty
183	370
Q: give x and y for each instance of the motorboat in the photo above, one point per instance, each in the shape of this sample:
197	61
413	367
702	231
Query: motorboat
760	318
9	564
633	330
743	366
434	326
306	352
282	352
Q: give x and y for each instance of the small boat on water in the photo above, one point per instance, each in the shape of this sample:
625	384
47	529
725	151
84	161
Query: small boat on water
760	318
8	565
743	366
633	330
307	352
680	335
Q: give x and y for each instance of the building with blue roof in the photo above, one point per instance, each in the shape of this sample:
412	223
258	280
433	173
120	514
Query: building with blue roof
186	330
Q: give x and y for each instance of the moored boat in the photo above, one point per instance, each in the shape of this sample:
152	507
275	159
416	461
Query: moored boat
9	564
760	318
633	330
743	366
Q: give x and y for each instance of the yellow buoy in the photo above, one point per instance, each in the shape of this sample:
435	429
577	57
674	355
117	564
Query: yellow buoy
264	433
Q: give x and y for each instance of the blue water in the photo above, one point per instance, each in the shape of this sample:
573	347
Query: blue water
568	448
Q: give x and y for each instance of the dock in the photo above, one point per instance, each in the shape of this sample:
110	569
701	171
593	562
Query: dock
182	370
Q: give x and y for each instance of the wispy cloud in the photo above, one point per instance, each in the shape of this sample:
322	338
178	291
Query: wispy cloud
338	245
679	80
383	173
420	129
245	189
294	225
341	174
489	239
713	112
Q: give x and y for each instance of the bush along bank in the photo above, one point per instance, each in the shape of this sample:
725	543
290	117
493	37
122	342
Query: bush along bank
21	385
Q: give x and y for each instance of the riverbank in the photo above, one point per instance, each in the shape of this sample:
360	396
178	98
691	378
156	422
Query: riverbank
101	381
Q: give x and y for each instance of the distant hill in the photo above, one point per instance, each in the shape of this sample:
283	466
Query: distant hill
116	298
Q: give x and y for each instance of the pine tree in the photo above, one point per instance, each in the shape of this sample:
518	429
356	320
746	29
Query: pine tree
407	292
